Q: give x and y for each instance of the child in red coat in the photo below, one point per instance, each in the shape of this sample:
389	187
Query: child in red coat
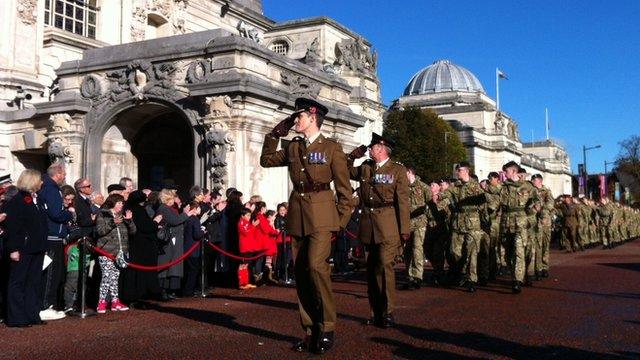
247	245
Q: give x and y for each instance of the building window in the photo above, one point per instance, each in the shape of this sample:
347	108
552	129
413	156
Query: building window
280	47
76	16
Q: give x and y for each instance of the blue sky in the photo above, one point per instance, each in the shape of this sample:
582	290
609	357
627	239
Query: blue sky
581	59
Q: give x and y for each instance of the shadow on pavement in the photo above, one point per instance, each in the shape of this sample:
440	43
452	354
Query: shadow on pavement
223	320
490	345
624	266
408	351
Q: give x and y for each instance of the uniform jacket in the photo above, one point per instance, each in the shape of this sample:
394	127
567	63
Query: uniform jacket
517	200
57	215
321	163
547	206
384	200
419	197
569	214
465	199
107	233
26	224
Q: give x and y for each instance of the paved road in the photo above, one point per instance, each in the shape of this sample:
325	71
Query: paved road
588	308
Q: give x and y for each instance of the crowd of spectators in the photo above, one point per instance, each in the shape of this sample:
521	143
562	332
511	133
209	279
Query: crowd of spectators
45	221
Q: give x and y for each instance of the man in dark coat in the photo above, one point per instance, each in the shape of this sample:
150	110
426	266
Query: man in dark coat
57	219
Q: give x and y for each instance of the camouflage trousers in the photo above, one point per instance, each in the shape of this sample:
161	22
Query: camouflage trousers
464	251
414	253
517	243
436	242
583	235
542	249
605	234
486	257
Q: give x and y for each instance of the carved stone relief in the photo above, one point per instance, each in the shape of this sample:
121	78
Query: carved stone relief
173	10
355	55
247	31
57	134
27	11
300	86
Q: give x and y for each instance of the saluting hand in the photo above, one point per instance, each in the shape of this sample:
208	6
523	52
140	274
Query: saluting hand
358	152
283	127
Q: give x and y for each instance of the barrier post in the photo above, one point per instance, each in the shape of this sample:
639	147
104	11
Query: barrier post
203	269
82	285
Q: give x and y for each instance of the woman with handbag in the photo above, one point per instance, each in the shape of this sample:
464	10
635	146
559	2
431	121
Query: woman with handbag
26	242
112	231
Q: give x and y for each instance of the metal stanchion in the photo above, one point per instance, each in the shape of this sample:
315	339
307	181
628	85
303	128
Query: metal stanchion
83	312
203	271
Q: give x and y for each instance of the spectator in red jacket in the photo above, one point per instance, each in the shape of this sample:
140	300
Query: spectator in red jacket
247	245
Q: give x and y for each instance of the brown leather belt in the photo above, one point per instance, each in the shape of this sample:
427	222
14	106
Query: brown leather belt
308	188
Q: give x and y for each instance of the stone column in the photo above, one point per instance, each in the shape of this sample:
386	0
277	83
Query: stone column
65	139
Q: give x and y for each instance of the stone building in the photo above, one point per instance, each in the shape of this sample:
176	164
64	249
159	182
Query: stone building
491	137
172	91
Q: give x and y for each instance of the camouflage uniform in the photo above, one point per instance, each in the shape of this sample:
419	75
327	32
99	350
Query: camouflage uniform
419	196
583	225
570	226
544	228
437	238
465	199
605	212
497	247
516	200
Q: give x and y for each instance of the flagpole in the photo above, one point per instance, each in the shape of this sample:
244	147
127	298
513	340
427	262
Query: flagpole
497	90
546	121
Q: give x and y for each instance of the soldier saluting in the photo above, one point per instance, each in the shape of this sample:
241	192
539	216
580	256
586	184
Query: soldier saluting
314	213
384	220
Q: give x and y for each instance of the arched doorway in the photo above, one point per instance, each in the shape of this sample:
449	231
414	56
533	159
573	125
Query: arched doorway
152	143
164	149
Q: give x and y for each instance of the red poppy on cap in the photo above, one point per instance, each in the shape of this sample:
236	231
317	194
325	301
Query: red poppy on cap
313	110
28	199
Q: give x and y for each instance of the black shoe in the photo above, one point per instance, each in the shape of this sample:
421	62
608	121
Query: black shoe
302	345
373	321
544	273
483	282
471	286
325	342
417	283
388	322
18	325
538	276
462	281
528	281
408	286
39	322
516	287
436	281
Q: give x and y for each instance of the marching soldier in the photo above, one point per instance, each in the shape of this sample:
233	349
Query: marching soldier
419	197
384	195
314	213
570	223
517	201
605	212
465	197
544	226
497	259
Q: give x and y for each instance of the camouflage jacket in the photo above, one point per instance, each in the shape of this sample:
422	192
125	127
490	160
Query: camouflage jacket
465	199
517	201
419	197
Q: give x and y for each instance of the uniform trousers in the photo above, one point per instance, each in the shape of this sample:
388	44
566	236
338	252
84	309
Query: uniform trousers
516	242
313	281
414	253
23	289
544	240
464	248
381	279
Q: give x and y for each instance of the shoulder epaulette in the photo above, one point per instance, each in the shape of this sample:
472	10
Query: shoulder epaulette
398	162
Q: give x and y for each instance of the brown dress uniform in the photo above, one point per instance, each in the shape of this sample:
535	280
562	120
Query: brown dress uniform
385	215
314	212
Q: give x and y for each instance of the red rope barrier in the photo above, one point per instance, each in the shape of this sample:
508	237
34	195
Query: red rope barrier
235	257
151	268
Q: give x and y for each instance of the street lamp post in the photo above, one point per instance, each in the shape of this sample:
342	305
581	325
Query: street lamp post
446	152
584	166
